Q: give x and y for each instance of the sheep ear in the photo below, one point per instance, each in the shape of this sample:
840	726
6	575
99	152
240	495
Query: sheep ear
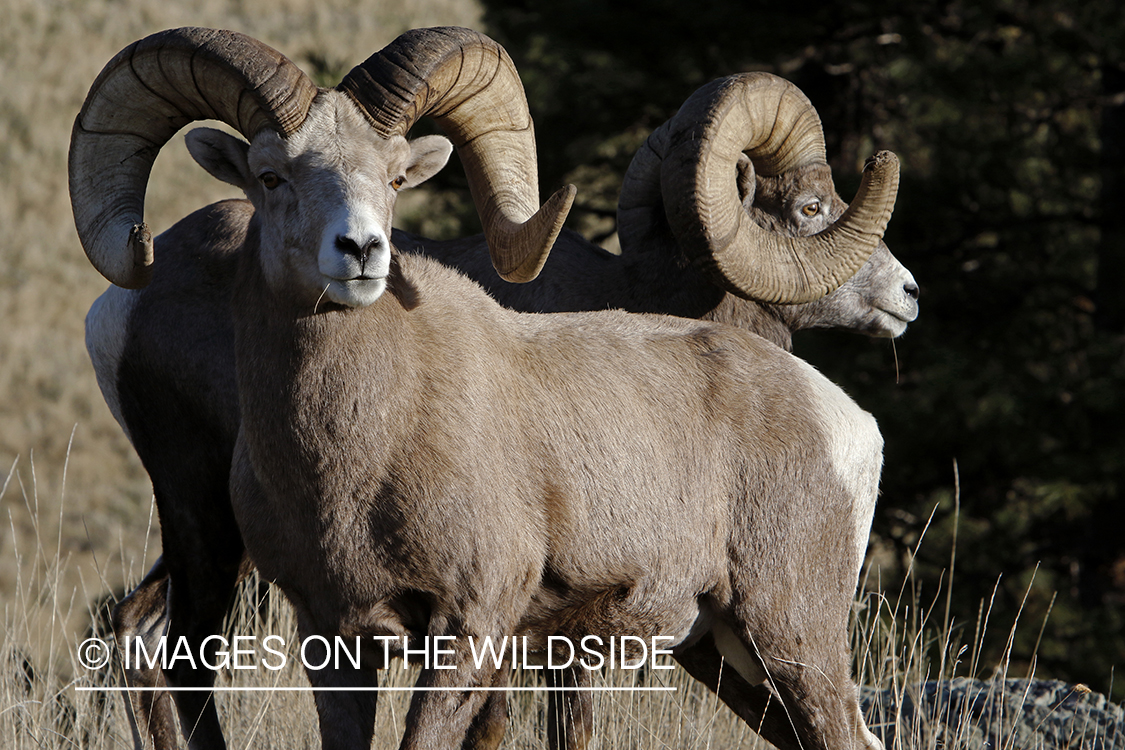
428	155
223	156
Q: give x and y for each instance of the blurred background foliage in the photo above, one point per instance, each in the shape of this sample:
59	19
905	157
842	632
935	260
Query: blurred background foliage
1008	118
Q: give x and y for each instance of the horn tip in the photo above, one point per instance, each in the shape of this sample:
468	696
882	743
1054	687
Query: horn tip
139	249
561	202
541	231
881	160
554	213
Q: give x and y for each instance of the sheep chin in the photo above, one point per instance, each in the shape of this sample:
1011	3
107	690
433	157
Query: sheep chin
354	293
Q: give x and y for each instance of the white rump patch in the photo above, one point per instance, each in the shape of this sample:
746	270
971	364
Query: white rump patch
107	326
857	451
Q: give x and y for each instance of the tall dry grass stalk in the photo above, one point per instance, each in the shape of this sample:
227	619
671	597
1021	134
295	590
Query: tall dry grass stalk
913	638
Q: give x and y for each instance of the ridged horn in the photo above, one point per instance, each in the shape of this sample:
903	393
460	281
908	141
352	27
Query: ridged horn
694	157
469	85
147	92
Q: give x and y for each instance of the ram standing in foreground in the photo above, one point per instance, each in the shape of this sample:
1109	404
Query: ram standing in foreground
395	446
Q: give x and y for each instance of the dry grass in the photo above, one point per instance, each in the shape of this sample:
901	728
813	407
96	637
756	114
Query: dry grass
900	641
42	707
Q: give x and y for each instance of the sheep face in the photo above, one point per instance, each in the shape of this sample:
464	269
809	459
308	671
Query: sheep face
799	203
324	196
880	300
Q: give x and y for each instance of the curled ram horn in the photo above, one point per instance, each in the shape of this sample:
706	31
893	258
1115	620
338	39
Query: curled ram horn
147	92
688	169
469	85
157	85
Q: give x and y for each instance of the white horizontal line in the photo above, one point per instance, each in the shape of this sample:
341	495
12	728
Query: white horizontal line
370	689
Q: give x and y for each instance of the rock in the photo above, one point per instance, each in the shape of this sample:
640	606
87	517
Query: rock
995	715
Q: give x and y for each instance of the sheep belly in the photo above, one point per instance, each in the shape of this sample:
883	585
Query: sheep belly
649	608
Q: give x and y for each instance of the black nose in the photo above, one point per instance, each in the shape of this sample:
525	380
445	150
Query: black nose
911	289
348	246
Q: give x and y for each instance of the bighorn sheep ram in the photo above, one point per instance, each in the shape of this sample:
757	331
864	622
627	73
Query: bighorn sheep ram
731	268
193	418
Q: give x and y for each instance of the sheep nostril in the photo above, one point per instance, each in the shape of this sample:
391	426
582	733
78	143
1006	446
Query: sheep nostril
366	254
372	246
347	245
911	289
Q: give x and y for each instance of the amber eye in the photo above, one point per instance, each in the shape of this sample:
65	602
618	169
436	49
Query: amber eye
398	182
811	209
270	180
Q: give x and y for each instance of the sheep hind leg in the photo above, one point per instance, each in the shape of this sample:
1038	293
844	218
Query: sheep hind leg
823	711
753	703
806	667
143	614
570	712
491	722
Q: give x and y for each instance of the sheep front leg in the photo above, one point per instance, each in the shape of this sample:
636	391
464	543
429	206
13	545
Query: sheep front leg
347	719
570	713
196	601
446	708
491	722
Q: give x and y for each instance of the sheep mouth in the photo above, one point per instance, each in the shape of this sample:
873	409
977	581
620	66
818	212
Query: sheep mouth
354	292
905	317
904	313
891	324
358	279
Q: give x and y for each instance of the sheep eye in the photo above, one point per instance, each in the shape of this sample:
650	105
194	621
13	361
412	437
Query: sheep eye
398	182
811	209
270	180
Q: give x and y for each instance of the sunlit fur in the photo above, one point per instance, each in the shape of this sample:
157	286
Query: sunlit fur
381	448
367	390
